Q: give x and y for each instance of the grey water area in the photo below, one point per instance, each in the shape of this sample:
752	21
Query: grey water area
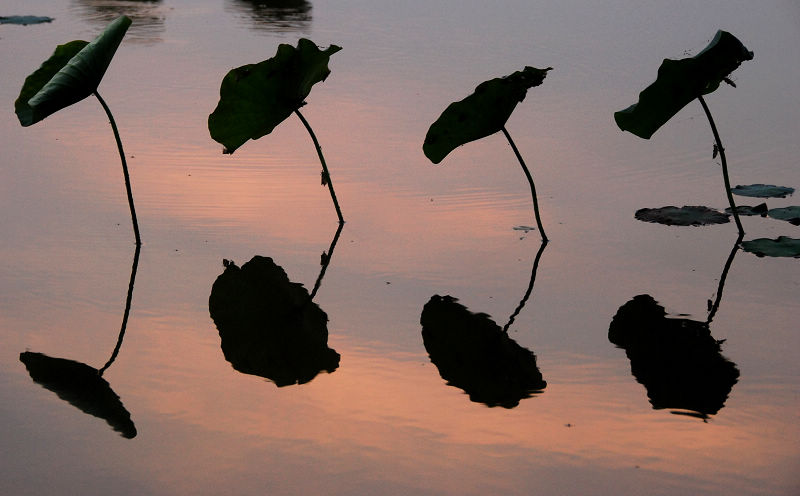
642	359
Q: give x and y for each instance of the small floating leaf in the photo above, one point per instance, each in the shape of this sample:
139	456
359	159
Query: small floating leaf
789	214
763	191
683	216
481	114
681	81
25	20
68	76
255	98
760	209
784	246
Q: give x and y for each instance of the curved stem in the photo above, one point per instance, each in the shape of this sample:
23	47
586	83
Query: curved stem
724	165
124	168
715	306
326	259
530	287
125	313
530	181
325	175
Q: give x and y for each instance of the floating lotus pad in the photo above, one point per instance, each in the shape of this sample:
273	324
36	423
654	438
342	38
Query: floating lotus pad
760	209
481	114
763	191
784	246
683	216
789	214
25	20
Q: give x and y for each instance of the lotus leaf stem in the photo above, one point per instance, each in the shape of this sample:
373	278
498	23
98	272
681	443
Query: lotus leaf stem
724	165
530	181
325	174
124	168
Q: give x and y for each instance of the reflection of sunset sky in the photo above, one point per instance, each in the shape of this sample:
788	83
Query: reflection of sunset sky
385	422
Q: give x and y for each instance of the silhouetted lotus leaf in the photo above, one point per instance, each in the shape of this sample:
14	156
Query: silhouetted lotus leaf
784	246
677	360
72	73
683	216
474	354
25	20
789	214
760	209
82	386
255	98
481	114
681	81
762	191
268	325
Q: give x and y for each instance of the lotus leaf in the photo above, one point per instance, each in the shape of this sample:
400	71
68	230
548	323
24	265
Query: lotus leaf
69	75
683	216
784	246
481	114
760	209
789	214
255	98
24	20
681	81
762	191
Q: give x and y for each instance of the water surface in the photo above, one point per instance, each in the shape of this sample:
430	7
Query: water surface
384	421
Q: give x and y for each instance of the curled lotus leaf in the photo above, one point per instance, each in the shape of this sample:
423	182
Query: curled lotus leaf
481	114
789	214
783	246
255	98
763	191
683	216
72	73
681	81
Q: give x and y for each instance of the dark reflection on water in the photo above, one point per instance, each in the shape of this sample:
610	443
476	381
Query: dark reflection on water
676	359
269	325
472	352
83	386
148	16
275	15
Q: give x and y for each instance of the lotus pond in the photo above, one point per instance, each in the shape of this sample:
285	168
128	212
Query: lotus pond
437	346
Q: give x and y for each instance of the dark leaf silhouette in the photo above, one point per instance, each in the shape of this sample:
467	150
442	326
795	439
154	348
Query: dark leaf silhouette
783	246
474	354
681	81
255	98
762	191
760	209
683	216
71	74
25	20
481	114
677	360
789	214
268	325
82	386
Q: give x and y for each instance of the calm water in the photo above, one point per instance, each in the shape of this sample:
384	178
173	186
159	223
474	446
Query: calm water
384	421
